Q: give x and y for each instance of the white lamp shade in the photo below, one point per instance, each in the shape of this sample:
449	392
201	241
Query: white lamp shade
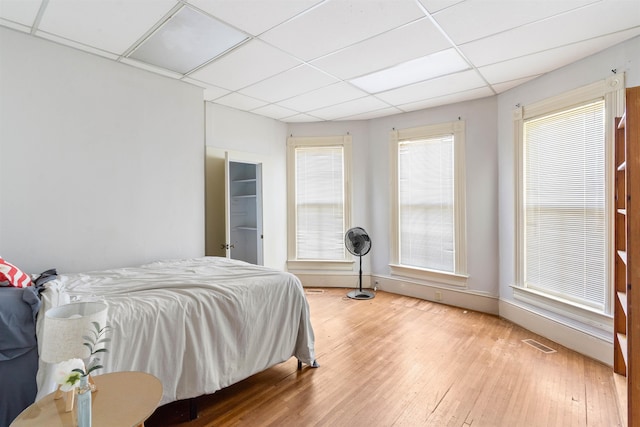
64	327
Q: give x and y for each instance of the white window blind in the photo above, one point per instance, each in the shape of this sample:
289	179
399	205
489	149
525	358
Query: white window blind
564	204
426	203
319	202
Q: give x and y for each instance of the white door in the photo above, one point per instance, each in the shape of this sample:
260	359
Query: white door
233	207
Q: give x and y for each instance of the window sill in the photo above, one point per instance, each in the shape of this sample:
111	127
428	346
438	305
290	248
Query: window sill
340	265
581	313
444	277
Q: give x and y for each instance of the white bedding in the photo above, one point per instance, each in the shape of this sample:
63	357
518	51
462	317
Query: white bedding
198	324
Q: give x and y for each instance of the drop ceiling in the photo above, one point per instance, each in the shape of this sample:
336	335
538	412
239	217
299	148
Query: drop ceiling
318	60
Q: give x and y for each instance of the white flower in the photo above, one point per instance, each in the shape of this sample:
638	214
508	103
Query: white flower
66	376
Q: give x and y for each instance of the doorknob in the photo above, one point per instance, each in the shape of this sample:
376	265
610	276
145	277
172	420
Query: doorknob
226	246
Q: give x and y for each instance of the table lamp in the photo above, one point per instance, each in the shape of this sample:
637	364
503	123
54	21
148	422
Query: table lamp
64	329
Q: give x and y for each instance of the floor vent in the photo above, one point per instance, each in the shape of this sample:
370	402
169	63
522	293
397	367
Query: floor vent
314	291
543	348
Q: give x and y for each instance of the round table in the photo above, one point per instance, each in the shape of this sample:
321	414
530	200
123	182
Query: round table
121	399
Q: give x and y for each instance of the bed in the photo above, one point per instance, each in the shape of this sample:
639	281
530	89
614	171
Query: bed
198	324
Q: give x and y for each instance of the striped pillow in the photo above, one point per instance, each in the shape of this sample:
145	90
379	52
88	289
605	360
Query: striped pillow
12	274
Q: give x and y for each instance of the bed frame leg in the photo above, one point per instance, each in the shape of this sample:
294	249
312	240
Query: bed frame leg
193	409
299	365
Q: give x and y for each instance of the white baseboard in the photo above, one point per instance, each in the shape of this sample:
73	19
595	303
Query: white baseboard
441	294
559	332
312	280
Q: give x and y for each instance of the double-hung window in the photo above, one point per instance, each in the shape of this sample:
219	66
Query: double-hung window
428	216
319	201
565	201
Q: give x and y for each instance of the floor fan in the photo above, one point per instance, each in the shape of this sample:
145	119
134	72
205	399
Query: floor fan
358	243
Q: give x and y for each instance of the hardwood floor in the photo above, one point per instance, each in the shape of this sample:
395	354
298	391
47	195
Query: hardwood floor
401	361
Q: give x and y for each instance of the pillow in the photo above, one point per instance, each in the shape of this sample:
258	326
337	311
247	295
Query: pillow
12	274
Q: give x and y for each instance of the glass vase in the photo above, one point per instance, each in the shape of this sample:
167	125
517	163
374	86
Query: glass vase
84	402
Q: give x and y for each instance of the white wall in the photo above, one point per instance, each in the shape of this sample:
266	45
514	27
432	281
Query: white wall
102	164
624	57
255	138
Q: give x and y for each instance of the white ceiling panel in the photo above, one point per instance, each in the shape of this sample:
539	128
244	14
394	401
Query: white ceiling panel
319	98
238	69
425	68
408	42
474	19
336	24
187	40
468	95
254	16
274	111
552	59
111	25
293	82
20	11
350	108
435	5
302	118
588	22
453	83
374	114
505	86
240	102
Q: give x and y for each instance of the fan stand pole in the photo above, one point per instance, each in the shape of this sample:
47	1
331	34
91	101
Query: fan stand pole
360	294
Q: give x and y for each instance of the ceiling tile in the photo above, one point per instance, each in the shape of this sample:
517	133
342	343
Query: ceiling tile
433	88
435	5
301	118
336	24
468	95
410	41
503	87
420	69
474	19
240	102
255	16
111	25
333	94
374	114
275	111
234	70
548	60
210	92
187	40
20	11
591	21
293	82
350	108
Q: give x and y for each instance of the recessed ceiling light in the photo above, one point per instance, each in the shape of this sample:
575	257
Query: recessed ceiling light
187	40
417	70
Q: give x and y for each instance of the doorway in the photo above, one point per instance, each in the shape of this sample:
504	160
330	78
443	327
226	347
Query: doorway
233	210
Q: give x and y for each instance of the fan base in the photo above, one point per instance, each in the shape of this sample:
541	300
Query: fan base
358	294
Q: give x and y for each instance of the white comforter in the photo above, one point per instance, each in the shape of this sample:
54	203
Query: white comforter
198	324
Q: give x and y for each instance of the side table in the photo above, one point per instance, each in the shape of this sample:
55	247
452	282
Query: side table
121	399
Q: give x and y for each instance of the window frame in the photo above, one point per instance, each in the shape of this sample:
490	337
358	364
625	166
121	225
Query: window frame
611	90
459	276
344	141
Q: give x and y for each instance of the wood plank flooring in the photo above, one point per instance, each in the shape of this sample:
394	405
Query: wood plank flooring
401	361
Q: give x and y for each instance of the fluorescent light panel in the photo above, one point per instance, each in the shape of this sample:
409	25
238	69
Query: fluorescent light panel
417	70
187	40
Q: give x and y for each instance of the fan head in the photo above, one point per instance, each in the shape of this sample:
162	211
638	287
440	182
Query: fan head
357	241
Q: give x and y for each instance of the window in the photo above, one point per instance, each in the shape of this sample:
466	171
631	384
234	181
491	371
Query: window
428	217
564	200
319	211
